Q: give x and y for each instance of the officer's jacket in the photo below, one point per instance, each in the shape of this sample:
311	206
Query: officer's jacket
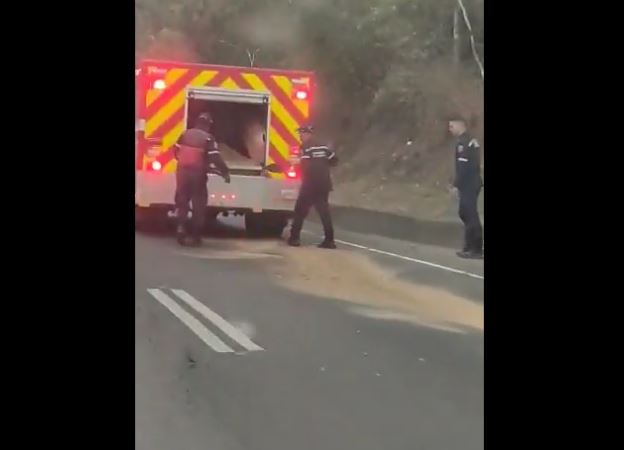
316	160
467	163
197	149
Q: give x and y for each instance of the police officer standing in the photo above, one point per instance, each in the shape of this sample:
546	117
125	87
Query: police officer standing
195	151
316	184
468	184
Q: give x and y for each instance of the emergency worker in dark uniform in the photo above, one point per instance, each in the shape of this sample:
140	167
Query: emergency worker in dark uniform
316	160
468	184
195	151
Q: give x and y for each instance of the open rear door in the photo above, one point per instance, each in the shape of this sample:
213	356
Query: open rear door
241	123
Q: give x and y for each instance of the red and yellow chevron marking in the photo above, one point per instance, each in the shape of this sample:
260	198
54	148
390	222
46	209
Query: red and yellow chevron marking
164	110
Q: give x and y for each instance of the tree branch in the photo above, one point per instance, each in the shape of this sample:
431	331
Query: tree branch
472	40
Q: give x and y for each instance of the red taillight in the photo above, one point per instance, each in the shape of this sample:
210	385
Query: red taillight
301	94
294	151
159	84
291	173
156	166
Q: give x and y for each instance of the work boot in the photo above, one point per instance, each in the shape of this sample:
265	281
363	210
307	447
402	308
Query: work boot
196	241
470	255
327	244
180	235
294	242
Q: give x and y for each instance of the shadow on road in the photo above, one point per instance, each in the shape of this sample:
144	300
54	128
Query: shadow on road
230	228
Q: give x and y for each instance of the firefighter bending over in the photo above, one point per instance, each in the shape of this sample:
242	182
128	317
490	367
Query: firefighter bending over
195	151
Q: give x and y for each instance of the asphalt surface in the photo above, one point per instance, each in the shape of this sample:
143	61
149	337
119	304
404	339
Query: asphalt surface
378	345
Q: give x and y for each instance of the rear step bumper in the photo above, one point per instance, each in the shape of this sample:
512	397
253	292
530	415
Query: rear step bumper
173	214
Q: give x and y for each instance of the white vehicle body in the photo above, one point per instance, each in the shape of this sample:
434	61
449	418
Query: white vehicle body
254	189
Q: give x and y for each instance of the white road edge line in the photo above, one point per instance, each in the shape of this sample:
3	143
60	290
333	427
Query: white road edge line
210	339
407	258
231	331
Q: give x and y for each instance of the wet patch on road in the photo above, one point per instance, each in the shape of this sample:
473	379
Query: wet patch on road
232	250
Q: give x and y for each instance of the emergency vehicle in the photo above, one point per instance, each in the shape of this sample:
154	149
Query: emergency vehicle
256	114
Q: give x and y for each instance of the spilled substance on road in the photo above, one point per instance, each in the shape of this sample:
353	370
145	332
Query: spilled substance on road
355	278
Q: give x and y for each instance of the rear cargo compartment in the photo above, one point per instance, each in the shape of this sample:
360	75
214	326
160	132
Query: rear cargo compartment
240	130
255	144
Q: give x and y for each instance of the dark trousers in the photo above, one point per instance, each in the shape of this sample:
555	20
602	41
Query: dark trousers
191	188
469	214
320	201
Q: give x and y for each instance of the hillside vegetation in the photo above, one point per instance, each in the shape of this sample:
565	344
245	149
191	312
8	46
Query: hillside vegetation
389	73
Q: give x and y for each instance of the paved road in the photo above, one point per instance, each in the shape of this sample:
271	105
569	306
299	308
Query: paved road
251	345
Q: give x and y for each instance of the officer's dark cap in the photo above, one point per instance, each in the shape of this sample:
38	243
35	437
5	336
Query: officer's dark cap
305	129
457	118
